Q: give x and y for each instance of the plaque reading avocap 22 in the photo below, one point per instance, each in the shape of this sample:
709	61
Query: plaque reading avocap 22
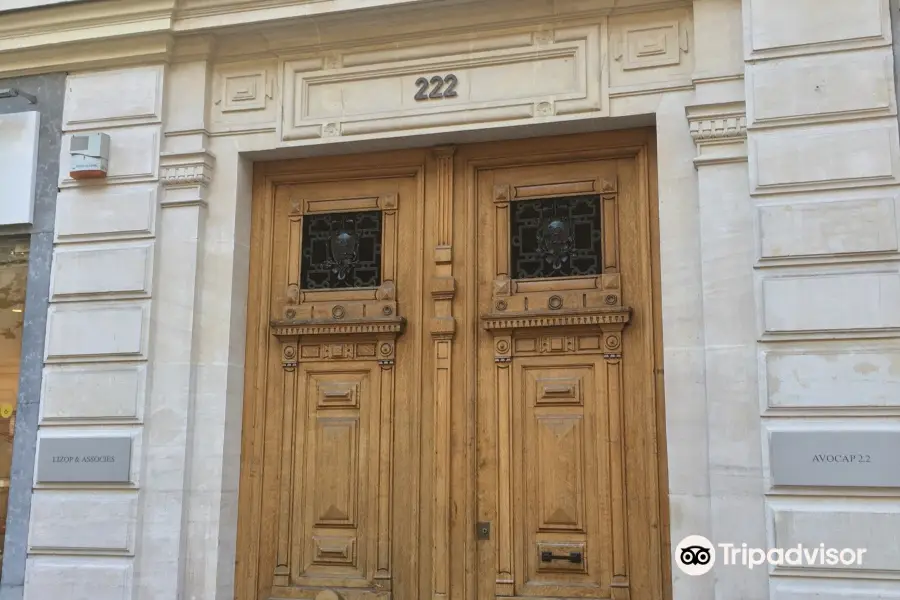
84	460
856	458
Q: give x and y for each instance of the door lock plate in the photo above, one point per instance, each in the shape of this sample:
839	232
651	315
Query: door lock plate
483	530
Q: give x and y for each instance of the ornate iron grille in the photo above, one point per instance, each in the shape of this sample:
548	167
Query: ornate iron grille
555	237
341	250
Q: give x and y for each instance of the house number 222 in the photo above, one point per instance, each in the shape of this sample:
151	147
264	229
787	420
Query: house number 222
436	86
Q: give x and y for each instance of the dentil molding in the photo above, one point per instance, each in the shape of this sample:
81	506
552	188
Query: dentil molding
193	168
720	132
718	129
185	176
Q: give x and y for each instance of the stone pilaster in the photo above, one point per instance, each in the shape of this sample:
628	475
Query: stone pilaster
186	168
728	251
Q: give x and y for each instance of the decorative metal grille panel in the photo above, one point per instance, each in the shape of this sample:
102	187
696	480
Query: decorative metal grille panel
341	250
555	237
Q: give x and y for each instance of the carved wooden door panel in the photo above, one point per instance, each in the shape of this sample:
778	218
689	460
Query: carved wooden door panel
564	480
339	294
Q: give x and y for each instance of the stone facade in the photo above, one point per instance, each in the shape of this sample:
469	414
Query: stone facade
778	159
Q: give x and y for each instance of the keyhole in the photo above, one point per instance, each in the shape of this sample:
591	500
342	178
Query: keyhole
483	531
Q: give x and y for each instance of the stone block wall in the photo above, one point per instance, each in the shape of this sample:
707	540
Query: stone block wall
822	243
83	537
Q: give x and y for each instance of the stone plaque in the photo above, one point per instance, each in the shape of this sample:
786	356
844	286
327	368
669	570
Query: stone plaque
84	460
835	458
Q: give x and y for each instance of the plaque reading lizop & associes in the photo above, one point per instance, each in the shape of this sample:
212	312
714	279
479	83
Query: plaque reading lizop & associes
84	460
835	458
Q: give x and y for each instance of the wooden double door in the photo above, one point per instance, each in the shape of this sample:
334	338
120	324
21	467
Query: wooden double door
453	376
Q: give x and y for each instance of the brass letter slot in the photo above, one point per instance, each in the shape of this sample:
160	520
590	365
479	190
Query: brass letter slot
572	557
559	390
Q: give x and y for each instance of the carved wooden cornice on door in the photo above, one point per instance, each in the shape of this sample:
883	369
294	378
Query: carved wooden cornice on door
366	312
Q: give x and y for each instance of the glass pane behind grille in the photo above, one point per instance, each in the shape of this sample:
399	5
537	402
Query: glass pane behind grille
341	250
555	237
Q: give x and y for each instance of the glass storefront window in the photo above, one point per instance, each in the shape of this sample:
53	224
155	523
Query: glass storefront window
13	277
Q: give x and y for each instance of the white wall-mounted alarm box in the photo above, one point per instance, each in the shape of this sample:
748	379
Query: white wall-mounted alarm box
89	154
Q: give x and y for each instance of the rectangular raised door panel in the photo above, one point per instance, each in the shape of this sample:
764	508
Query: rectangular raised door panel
560	460
333	503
